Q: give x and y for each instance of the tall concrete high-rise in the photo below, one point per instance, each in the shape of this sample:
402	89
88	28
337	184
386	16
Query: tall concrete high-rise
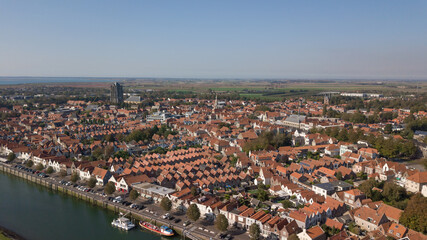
116	93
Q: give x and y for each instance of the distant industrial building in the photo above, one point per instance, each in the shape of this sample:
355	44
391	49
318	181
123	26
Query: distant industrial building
133	100
362	95
159	116
116	93
294	121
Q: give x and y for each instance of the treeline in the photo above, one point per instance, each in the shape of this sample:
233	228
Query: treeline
414	104
147	134
387	147
414	215
388	192
268	141
413	125
359	117
105	153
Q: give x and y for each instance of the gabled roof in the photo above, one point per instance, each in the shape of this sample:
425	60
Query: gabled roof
419	177
315	232
100	172
334	224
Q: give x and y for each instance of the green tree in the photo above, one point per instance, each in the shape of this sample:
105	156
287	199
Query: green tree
49	170
221	223
393	192
414	215
11	156
193	212
108	151
133	194
354	228
376	196
388	128
268	141
109	138
339	175
109	188
343	135
367	186
262	108
39	167
254	231
262	195
166	204
98	153
287	204
74	177
362	175
293	237
122	154
193	191
92	182
63	173
29	163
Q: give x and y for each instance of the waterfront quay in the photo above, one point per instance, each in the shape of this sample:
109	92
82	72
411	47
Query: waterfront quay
191	232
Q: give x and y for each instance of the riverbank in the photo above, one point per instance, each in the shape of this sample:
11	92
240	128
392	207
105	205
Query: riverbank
35	212
6	234
102	202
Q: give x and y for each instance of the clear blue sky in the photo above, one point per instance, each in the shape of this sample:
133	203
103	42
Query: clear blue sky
221	38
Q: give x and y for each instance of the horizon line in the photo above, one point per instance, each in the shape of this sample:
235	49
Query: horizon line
235	78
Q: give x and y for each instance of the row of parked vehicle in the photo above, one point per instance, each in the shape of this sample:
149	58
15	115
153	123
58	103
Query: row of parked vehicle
119	199
82	188
29	170
168	216
65	183
225	236
136	206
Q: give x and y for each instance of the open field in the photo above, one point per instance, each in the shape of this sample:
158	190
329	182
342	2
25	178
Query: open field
261	86
271	90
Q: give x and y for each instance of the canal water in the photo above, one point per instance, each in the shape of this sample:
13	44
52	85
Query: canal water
37	213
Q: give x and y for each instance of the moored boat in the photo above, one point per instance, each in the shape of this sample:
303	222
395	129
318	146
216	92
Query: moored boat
123	223
163	230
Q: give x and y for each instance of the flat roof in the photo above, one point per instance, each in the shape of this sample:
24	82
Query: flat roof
149	187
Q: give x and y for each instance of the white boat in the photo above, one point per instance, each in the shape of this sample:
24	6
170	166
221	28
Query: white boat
123	223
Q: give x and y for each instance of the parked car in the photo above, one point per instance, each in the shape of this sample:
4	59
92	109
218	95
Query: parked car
118	199
228	237
177	220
